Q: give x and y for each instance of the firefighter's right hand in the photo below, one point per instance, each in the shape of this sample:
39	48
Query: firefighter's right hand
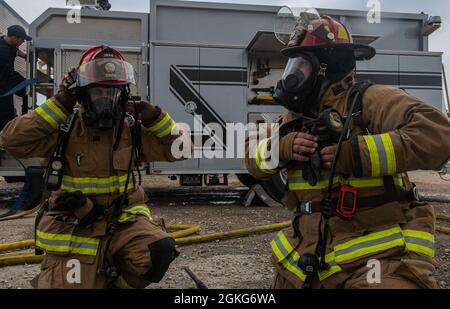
297	147
70	201
69	82
68	90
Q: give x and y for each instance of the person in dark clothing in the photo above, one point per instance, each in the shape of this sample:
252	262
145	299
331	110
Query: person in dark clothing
9	78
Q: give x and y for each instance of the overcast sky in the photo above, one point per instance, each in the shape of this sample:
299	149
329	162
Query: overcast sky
439	41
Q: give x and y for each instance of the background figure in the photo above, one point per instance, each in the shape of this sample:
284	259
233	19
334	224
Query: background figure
9	78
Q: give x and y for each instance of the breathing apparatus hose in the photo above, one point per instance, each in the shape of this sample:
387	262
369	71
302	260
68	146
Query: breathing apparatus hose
108	267
328	204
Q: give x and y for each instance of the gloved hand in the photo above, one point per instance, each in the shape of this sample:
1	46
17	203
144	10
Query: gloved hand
297	147
68	90
70	201
147	112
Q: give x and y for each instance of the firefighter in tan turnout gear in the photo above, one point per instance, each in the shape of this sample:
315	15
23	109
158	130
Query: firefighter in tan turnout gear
97	214
355	210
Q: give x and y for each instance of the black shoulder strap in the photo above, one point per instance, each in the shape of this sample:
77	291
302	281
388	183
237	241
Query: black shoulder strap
361	88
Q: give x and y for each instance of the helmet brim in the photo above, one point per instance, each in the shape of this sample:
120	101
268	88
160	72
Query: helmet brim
361	52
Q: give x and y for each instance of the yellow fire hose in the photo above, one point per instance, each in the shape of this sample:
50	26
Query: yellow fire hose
10	259
182	237
22	214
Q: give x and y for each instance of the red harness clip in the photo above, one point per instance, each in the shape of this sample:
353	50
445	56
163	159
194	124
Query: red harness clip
346	207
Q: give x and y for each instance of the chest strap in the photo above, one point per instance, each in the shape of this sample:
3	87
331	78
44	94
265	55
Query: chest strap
362	202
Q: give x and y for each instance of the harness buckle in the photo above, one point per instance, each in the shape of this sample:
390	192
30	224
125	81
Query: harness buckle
415	192
306	208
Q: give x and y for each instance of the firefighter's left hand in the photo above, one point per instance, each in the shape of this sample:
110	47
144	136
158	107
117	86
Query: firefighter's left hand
328	154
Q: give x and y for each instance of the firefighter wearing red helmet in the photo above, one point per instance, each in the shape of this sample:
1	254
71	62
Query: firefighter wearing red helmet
95	229
347	148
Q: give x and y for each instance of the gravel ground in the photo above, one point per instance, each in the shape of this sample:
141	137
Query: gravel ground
238	263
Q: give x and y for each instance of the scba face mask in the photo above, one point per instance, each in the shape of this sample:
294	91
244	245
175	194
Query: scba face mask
299	83
104	106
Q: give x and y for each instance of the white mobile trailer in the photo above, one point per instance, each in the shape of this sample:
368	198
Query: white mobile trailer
202	57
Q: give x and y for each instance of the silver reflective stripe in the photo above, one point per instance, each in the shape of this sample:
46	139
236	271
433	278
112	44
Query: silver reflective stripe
91	185
281	247
164	127
382	156
66	243
420	242
51	113
370	243
332	263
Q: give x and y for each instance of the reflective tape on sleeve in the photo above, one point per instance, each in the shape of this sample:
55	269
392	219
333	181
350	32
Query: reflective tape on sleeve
66	243
90	185
261	157
130	214
382	154
51	113
163	128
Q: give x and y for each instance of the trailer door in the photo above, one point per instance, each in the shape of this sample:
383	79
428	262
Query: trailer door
223	85
174	92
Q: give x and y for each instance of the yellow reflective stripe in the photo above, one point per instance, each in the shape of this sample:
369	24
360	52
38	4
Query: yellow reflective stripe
371	243
372	182
89	185
47	118
66	243
131	213
420	242
306	186
330	272
167	131
260	158
160	124
121	283
390	153
74	238
417	241
420	249
331	260
87	180
374	158
52	105
51	113
280	257
289	259
296	181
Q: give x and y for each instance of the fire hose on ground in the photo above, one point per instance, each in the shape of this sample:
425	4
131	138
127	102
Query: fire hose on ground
183	237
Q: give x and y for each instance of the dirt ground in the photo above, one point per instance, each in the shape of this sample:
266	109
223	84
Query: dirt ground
238	263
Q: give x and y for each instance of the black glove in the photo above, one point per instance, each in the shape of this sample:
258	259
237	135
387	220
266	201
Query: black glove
68	90
312	169
70	201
